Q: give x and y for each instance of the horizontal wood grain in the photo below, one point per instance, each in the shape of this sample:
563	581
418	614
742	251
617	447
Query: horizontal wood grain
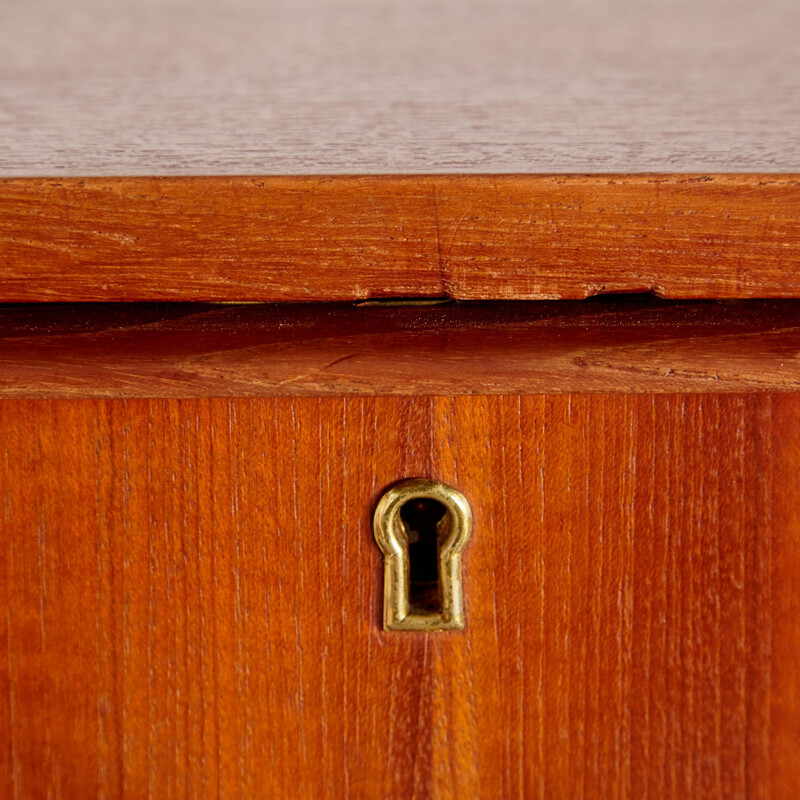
343	238
178	350
190	599
184	87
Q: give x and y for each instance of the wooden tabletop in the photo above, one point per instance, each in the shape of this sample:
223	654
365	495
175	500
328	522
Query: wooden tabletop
284	151
264	87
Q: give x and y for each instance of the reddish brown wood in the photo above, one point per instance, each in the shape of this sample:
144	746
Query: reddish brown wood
190	599
342	238
601	345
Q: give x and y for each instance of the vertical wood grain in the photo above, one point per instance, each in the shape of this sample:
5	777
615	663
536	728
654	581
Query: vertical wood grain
191	595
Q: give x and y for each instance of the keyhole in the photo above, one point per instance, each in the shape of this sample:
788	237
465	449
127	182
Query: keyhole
421	526
424	521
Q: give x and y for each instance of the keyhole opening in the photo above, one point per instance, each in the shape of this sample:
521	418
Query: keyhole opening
425	524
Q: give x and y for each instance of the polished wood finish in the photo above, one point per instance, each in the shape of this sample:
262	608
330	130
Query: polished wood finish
180	87
190	594
344	238
191	599
602	345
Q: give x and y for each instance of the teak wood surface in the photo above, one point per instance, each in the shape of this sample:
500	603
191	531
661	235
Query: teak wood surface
354	237
623	344
191	599
578	148
190	594
298	87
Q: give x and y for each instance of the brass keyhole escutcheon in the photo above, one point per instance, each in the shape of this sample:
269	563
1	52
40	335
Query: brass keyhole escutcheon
422	526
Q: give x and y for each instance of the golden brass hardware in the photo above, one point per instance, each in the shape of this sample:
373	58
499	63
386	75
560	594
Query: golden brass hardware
390	302
394	535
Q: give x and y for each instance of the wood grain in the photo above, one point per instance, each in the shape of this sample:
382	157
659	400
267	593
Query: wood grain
344	238
191	596
182	87
622	344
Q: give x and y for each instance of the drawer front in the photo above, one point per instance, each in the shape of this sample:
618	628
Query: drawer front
191	598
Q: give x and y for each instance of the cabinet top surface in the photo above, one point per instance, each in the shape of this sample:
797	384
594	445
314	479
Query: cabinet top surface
182	87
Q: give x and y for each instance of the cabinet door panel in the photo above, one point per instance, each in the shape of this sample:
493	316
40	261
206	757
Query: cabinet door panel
191	598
